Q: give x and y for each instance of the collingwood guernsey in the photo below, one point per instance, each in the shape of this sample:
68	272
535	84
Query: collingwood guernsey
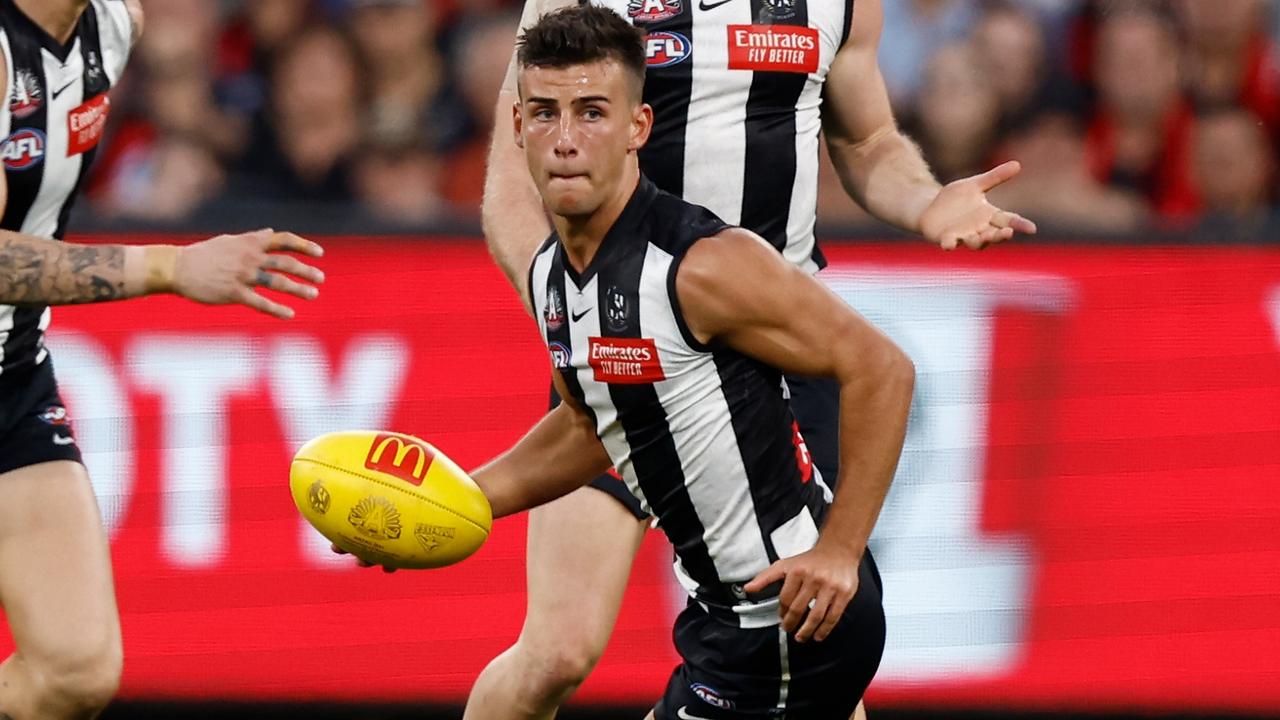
736	89
51	122
702	435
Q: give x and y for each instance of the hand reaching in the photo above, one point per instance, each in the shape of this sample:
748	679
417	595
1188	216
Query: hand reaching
227	269
960	213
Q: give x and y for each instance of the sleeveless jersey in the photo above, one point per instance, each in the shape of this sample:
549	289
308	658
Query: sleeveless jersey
51	122
736	88
703	436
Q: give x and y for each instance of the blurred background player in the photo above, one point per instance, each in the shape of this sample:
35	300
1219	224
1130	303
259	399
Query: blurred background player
668	331
737	133
60	59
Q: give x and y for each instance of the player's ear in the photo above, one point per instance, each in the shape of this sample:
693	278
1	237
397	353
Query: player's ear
641	126
517	124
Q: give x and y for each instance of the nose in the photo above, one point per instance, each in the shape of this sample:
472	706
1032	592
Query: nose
567	137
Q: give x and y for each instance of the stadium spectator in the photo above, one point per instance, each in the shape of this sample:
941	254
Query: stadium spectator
1140	133
304	140
406	76
1235	166
481	55
1013	55
397	181
1229	59
957	113
918	27
1056	185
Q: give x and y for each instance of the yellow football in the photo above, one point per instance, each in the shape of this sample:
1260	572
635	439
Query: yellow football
389	499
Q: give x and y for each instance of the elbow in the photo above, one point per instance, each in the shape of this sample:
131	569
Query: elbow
894	374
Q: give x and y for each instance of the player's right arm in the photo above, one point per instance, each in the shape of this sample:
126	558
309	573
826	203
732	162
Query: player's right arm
511	212
559	455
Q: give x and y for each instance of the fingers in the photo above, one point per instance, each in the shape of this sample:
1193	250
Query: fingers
818	609
767	577
280	283
246	296
793	602
1013	221
360	561
997	175
289	242
293	266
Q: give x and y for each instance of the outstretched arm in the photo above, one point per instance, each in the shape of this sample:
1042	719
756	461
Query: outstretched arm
221	270
735	290
559	455
884	171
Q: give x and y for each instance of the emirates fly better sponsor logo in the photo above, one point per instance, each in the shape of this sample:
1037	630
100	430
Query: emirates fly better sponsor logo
773	48
625	361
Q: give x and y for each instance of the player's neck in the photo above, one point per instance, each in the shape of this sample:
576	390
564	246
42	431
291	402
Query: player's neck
582	236
56	17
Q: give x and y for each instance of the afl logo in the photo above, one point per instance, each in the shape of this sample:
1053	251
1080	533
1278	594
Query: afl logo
23	149
663	49
561	356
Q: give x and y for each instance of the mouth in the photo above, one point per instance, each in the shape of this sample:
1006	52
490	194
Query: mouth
567	176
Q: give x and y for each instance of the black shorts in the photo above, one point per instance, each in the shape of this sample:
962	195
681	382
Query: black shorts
34	426
732	673
816	405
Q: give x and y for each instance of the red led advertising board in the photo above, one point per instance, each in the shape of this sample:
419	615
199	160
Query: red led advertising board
1087	513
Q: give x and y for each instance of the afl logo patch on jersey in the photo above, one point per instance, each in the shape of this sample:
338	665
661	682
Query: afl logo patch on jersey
24	149
26	96
663	49
561	356
653	10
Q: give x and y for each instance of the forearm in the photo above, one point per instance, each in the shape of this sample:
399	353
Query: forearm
511	213
560	454
874	405
39	271
887	175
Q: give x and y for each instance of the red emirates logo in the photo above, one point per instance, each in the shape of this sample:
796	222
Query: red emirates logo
624	361
86	123
773	48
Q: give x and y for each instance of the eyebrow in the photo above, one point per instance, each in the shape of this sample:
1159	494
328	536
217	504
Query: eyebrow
577	101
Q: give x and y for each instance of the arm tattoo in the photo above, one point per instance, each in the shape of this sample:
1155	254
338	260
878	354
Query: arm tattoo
45	272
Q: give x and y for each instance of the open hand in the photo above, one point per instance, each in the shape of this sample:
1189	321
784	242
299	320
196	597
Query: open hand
228	269
960	212
817	588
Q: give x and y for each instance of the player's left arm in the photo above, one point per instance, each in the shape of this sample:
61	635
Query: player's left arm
735	290
884	171
559	455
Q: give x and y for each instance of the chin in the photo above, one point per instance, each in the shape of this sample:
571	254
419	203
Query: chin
570	206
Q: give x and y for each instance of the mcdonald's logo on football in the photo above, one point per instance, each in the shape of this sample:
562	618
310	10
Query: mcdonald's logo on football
400	456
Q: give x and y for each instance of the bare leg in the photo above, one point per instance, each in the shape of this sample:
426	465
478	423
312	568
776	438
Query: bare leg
57	592
860	712
579	559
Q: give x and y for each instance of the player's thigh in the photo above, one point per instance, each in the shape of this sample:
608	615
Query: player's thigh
580	552
55	566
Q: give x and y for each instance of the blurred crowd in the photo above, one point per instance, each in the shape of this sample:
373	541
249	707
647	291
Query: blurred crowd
1126	114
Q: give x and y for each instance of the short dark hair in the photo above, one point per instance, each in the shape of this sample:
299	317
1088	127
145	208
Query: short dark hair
580	35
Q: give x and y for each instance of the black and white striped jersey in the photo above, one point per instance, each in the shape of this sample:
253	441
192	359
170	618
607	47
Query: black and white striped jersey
703	436
736	88
51	123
